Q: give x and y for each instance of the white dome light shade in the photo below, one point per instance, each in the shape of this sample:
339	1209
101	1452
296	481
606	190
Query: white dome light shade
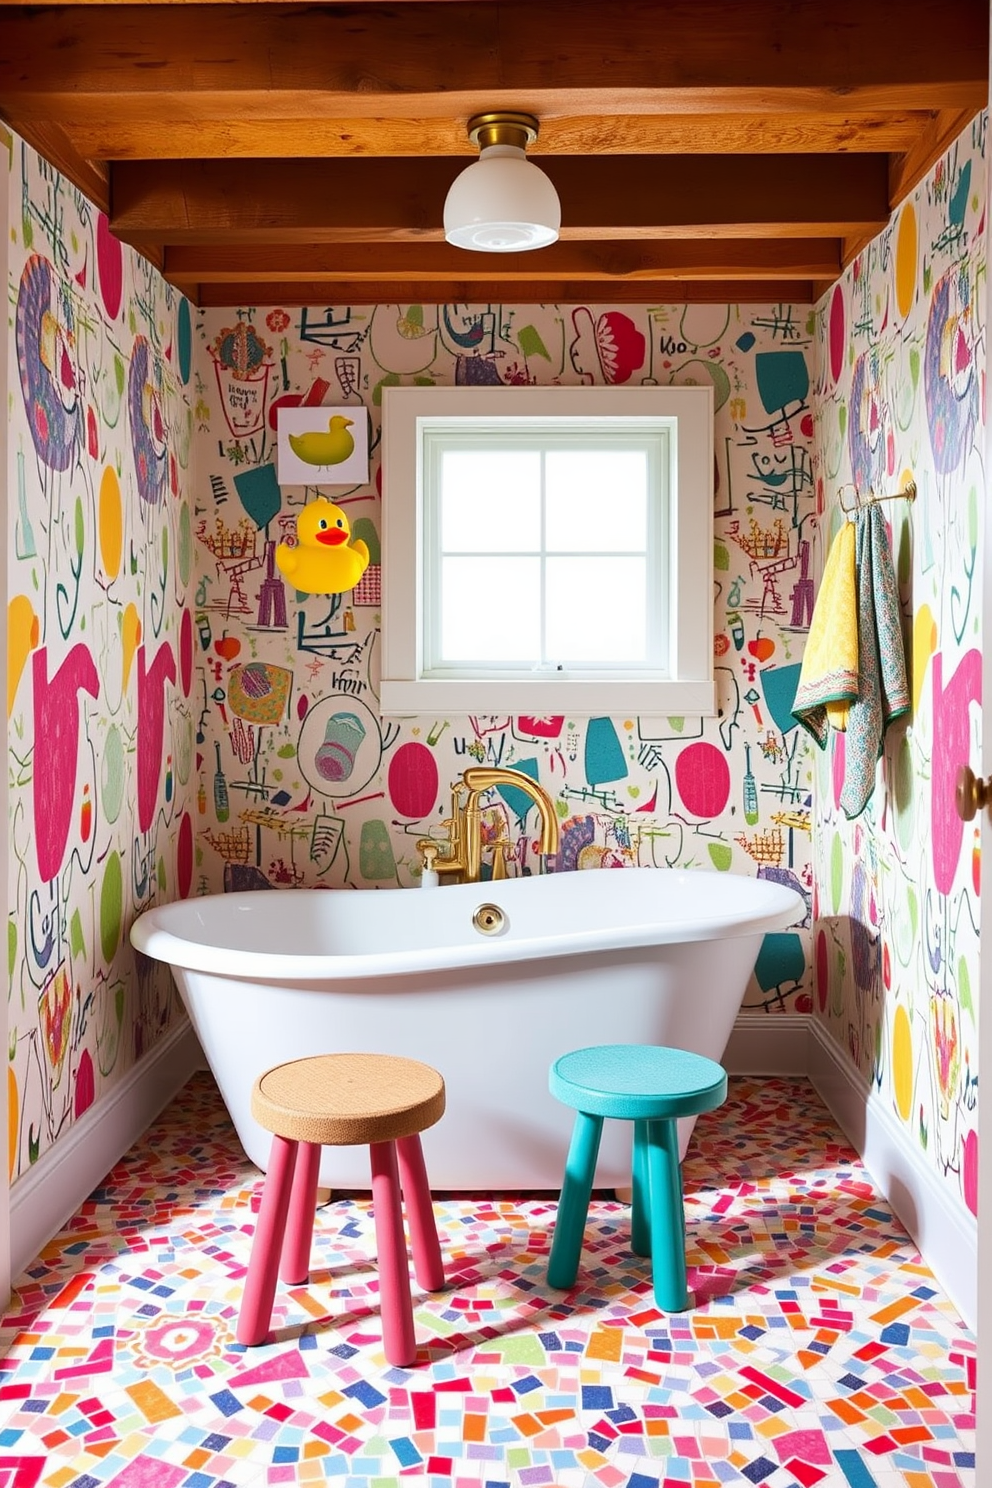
502	203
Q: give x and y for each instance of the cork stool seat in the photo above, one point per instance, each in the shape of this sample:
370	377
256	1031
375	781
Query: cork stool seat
344	1100
652	1086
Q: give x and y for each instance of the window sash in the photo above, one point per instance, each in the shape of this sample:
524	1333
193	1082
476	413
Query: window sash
653	438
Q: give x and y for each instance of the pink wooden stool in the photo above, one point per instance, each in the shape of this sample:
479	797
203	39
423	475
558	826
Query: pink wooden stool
345	1100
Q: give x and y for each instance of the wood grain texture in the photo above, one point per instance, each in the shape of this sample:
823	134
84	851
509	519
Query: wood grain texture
532	292
847	54
263	149
107	135
391	200
908	169
644	263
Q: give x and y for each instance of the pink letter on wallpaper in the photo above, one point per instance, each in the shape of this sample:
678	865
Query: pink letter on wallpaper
950	752
56	749
151	727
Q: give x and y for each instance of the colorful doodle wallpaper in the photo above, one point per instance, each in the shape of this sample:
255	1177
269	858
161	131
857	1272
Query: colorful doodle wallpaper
900	389
183	721
100	648
303	781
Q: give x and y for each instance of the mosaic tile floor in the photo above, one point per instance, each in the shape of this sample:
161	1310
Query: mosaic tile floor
820	1351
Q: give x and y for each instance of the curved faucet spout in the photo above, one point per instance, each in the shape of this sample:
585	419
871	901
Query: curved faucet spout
479	778
462	859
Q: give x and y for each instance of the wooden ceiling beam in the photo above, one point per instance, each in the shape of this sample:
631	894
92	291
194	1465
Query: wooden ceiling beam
527	292
91	111
99	4
624	196
562	56
907	170
105	135
608	262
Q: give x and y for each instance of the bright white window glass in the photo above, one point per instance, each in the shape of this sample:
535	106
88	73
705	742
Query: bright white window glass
490	610
596	609
490	501
597	500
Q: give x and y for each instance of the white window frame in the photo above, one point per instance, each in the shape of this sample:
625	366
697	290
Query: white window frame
685	688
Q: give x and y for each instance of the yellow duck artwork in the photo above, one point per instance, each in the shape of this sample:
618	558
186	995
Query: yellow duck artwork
323	561
331	448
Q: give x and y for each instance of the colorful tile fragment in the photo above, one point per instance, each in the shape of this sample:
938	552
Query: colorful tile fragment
820	1350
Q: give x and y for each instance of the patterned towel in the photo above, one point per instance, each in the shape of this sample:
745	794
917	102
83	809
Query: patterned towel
828	681
884	691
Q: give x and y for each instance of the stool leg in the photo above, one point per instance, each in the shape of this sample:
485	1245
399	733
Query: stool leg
396	1305
640	1204
667	1217
294	1264
263	1264
573	1205
427	1262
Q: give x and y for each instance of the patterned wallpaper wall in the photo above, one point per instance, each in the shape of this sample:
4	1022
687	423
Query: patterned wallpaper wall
100	647
286	685
900	354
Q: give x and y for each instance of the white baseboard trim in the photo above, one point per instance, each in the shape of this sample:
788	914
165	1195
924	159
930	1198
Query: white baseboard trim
944	1230
59	1182
768	1044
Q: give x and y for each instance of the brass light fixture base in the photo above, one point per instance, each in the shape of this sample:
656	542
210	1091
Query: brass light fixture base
502	128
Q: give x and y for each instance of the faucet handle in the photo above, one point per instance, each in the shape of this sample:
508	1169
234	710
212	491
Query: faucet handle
501	845
502	849
429	852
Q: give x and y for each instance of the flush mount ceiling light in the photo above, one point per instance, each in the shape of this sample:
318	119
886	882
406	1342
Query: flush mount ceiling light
502	203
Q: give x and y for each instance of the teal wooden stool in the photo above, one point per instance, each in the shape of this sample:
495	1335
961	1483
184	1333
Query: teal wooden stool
653	1087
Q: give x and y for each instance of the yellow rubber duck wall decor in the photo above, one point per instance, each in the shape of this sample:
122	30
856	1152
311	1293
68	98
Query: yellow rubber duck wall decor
323	560
332	448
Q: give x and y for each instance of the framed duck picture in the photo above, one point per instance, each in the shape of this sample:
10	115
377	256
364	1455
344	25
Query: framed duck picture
323	446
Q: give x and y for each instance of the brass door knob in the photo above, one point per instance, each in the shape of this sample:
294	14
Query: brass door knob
971	793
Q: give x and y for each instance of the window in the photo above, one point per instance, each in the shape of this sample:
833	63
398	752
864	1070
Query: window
547	549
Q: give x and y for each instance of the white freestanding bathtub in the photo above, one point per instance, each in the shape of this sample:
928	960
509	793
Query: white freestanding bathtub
637	955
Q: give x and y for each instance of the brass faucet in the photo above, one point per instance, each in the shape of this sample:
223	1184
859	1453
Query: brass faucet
464	845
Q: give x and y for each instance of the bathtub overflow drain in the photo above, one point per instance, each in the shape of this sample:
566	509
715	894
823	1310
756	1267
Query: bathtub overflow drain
489	919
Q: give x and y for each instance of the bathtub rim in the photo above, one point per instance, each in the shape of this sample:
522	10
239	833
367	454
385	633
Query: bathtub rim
151	935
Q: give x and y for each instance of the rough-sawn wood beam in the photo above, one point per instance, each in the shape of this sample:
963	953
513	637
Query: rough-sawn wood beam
628	196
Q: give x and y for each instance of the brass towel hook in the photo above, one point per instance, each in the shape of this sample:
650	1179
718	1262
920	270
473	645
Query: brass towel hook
907	493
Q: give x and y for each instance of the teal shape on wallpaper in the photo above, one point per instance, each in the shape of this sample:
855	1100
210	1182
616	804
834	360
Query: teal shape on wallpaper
518	801
958	202
783	378
779	686
184	340
781	959
259	492
604	758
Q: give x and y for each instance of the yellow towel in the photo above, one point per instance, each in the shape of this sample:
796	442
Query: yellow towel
828	681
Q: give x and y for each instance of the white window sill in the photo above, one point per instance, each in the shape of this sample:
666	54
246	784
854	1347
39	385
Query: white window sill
544	695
